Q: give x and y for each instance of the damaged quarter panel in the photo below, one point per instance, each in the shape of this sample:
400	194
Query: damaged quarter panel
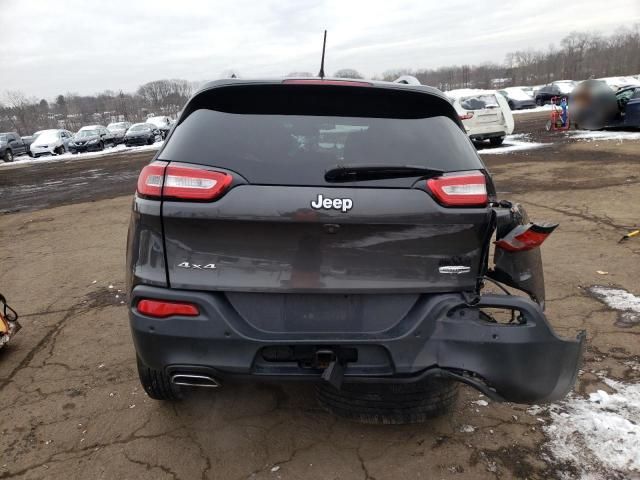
521	270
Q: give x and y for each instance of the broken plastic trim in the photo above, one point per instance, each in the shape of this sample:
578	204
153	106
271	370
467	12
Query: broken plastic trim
526	237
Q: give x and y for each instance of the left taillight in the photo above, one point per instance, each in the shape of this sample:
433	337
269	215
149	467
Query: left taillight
164	309
460	189
179	182
151	179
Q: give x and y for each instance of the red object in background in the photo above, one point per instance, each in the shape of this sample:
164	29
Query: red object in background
556	122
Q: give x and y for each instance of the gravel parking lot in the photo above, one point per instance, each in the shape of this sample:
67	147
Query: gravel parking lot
72	407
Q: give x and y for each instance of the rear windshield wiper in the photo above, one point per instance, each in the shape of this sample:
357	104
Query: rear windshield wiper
359	173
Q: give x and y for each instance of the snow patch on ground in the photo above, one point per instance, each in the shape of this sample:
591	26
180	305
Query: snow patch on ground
598	435
512	143
590	136
544	108
25	159
619	299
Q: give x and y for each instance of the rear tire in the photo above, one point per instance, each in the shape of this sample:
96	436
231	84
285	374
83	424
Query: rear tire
8	156
496	141
539	102
384	403
157	383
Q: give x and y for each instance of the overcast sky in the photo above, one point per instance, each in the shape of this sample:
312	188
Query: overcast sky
85	46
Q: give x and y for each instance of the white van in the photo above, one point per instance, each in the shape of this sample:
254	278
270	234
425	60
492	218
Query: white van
485	114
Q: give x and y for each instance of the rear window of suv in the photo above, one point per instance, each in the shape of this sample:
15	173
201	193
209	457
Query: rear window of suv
271	148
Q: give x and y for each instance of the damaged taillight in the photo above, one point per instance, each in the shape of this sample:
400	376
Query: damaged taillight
460	189
526	237
160	180
164	309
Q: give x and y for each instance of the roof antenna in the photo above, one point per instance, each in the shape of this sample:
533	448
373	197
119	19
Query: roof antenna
324	45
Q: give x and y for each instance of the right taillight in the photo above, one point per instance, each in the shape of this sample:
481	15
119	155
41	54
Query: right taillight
466	116
180	182
460	189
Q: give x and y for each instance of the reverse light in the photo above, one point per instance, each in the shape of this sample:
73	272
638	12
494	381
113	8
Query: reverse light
526	237
186	183
461	189
164	309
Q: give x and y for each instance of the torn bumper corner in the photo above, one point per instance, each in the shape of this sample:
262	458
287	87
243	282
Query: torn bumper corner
442	335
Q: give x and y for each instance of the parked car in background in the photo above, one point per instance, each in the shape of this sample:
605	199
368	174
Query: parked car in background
163	123
595	106
561	88
91	138
118	129
617	83
28	140
142	134
50	142
485	114
517	98
11	145
528	90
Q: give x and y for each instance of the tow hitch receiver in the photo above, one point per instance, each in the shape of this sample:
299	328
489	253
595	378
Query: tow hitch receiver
333	369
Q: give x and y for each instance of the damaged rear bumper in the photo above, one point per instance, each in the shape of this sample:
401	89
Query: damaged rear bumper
524	362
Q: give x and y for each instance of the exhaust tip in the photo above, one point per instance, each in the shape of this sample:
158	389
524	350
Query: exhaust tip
194	380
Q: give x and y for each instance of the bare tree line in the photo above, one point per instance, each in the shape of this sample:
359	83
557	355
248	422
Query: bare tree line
71	111
579	56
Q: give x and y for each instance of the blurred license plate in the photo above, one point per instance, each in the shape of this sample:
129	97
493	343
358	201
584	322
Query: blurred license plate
487	118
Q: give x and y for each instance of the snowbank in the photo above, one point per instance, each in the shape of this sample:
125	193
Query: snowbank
619	299
512	143
589	135
544	108
597	435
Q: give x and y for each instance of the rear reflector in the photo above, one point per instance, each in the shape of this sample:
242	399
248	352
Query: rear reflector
186	183
182	183
461	189
163	309
348	83
526	237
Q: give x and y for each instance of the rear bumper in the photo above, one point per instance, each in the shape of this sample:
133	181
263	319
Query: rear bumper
135	141
524	363
488	135
85	148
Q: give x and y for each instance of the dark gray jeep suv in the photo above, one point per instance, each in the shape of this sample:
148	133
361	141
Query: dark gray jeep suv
337	231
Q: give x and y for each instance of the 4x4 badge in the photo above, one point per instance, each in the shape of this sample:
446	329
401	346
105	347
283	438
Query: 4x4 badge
454	269
195	266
